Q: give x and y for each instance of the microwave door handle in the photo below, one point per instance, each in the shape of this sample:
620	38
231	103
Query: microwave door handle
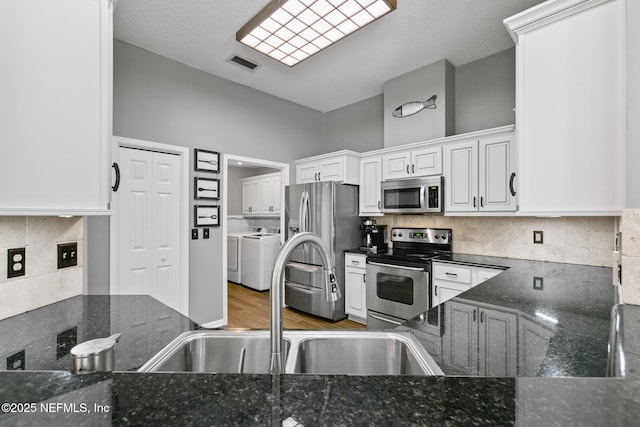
396	266
422	201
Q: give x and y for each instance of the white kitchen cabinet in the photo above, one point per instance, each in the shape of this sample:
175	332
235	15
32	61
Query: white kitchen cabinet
450	280
355	287
342	166
261	195
412	163
571	107
480	176
533	343
370	192
479	340
56	107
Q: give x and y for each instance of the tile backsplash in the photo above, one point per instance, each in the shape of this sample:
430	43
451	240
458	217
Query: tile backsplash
42	283
630	256
573	240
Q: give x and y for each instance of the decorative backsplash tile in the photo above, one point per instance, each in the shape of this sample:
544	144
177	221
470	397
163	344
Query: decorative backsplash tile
630	256
43	283
573	240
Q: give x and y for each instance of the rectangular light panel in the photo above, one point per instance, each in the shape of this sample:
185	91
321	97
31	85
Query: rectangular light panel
291	31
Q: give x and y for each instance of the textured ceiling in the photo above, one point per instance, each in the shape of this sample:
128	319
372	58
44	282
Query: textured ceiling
201	33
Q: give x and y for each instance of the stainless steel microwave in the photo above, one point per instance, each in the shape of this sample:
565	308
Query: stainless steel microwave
420	195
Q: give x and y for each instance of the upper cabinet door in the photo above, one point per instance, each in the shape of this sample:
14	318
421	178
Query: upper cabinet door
497	176
370	191
276	194
306	172
571	107
56	107
461	179
396	165
427	161
331	169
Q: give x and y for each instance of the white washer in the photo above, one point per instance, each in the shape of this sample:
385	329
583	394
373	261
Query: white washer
259	252
234	252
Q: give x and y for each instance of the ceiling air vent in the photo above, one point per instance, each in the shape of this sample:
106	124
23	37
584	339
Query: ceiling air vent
243	63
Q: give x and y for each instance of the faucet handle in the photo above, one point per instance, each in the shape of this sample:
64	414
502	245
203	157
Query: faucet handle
332	292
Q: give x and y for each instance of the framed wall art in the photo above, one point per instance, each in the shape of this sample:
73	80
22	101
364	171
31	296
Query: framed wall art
206	216
207	161
206	188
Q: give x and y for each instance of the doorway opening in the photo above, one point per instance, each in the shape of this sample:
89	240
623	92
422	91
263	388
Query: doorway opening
252	198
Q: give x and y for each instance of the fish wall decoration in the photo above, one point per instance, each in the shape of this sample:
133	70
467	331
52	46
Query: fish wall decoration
414	107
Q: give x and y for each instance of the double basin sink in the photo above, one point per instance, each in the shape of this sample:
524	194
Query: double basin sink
305	352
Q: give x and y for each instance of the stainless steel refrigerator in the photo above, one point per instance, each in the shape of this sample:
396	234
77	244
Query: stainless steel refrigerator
329	210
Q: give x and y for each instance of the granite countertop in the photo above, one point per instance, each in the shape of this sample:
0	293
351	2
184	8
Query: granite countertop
132	398
533	319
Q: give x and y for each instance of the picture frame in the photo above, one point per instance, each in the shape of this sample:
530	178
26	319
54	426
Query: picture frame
206	188
206	216
207	161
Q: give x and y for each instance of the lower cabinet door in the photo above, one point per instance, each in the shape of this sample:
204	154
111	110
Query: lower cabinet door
498	343
460	349
355	290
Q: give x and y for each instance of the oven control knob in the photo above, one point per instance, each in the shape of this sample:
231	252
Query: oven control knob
400	235
437	236
394	234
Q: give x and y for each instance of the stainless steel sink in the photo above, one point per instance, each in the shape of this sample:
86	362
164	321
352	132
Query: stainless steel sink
215	351
370	353
306	352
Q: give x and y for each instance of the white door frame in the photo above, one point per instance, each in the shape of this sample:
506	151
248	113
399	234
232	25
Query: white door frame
228	159
114	238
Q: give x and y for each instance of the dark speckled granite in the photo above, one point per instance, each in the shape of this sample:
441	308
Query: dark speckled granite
134	398
546	319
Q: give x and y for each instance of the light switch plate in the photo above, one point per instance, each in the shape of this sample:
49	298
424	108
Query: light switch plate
67	255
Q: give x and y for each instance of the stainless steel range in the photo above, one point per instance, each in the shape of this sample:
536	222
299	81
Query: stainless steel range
399	281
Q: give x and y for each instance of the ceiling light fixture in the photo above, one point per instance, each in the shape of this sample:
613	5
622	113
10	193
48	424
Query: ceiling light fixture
290	31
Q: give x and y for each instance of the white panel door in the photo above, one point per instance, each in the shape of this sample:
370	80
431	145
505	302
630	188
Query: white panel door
266	196
495	182
331	170
461	177
427	161
370	192
396	165
306	172
276	194
149	218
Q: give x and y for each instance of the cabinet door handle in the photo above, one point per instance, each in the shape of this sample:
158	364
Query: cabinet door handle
407	168
474	315
117	183
513	176
413	168
318	176
364	278
482	317
451	274
482	201
436	290
474	201
378	204
356	262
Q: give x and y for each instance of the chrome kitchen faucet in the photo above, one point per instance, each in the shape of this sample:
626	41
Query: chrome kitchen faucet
332	291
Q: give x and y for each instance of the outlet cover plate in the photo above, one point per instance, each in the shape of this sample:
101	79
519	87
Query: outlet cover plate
538	237
16	262
16	362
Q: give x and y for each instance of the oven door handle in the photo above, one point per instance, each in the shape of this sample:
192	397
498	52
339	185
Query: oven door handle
384	319
396	266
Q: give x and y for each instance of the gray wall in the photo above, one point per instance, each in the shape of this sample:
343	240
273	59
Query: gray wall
484	98
486	92
161	100
358	127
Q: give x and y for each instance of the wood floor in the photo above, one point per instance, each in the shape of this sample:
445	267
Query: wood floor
250	309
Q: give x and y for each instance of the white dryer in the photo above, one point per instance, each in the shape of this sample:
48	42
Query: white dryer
259	253
234	252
